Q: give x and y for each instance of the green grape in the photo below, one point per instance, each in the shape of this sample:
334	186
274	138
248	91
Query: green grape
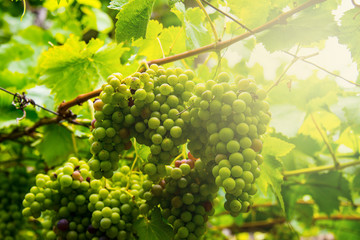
226	134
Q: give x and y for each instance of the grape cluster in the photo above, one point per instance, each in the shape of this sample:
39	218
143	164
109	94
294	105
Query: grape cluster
115	208
74	205
164	108
14	185
228	119
185	196
149	106
64	192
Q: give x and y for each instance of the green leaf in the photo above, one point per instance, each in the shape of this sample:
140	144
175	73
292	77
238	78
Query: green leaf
308	26
350	33
150	46
250	13
153	229
271	176
117	4
286	119
97	19
308	95
161	41
142	151
303	213
56	144
173	40
77	67
133	19
306	144
15	79
356	183
276	147
346	110
326	188
345	229
193	19
326	121
14	52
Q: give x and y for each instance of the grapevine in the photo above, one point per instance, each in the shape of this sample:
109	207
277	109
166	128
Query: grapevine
179	120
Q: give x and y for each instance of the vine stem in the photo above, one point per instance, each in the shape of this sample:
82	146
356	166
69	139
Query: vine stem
319	169
266	224
301	202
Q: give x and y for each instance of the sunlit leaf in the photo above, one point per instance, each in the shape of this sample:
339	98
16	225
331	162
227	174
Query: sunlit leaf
276	147
77	67
349	33
193	20
133	19
308	26
326	121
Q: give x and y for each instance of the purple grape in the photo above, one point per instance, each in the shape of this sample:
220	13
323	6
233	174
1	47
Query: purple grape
63	225
91	229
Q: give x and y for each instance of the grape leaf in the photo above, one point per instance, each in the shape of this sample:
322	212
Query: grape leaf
153	229
326	188
356	183
293	210
308	26
161	41
326	121
117	4
271	175
347	111
350	33
306	144
14	79
133	19
308	95
56	144
13	52
345	229
193	20
96	19
173	40
276	147
250	13
286	119
150	46
77	67
272	167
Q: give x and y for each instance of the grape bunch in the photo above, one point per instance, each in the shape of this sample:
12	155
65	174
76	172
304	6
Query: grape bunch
228	119
221	121
63	192
185	196
115	208
148	106
14	185
74	205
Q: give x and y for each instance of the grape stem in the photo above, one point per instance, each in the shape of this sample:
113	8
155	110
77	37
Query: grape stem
269	223
287	174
